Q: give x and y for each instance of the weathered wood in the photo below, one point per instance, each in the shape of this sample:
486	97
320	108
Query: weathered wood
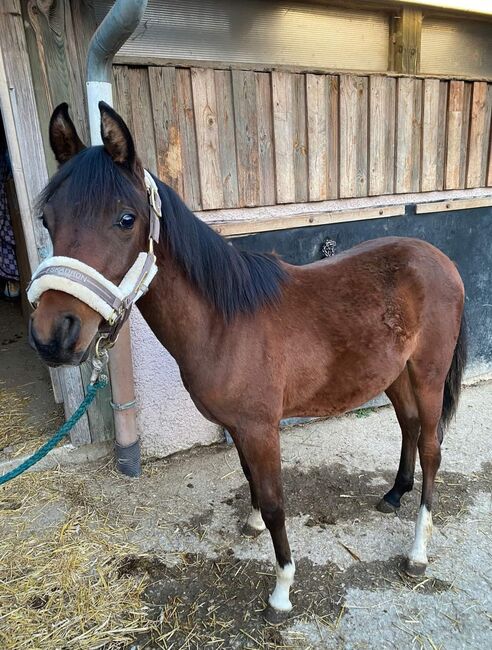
227	136
283	127
454	134
430	135
353	135
408	135
465	132
441	134
245	115
454	204
264	117
205	107
405	41
100	413
317	122
189	149
235	228
166	126
382	98
300	138
122	97
479	136
333	136
143	123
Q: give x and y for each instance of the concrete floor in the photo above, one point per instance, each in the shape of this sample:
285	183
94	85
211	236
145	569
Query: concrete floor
183	518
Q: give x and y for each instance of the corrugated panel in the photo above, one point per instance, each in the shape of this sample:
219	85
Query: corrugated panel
456	47
259	32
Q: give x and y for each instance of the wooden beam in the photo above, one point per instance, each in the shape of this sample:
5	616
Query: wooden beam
456	204
23	131
245	227
405	41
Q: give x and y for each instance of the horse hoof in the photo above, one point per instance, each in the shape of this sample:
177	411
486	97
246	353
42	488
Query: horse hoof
415	569
274	616
249	531
387	508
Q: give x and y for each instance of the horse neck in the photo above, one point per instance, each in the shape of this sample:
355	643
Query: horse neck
175	311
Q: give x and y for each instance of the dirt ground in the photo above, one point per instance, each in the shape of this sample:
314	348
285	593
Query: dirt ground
90	559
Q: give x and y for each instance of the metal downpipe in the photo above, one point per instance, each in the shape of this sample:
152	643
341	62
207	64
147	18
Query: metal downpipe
118	25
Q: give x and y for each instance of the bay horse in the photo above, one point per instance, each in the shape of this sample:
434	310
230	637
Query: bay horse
257	339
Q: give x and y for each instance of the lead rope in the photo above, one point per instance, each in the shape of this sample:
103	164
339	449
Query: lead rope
98	380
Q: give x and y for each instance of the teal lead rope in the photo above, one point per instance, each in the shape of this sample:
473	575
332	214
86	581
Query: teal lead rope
63	431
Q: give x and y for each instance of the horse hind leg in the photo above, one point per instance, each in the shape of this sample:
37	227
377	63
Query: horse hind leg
429	389
403	399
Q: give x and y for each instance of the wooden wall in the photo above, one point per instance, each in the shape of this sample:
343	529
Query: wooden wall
236	138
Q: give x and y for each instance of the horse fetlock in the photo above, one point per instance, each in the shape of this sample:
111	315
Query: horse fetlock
255	520
279	599
415	569
417	557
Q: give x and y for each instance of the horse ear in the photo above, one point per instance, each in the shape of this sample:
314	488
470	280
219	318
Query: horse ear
116	137
63	135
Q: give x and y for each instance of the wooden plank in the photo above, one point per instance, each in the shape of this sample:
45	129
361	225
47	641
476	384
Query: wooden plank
479	136
122	98
283	127
455	204
408	135
245	115
405	40
353	135
235	228
441	134
227	137
164	99
189	148
382	103
142	120
454	134
430	135
100	413
317	123
205	108
300	138
465	132
264	117
333	110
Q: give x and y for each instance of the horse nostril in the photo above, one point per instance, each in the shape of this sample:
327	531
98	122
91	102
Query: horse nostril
69	331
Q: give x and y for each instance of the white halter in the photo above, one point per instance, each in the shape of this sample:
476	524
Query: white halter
113	302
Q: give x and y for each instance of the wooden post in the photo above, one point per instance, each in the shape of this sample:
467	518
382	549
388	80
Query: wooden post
405	41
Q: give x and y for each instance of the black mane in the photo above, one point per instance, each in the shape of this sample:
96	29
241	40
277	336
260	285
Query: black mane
233	281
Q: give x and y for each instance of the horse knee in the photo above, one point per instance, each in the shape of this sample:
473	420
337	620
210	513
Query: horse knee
273	515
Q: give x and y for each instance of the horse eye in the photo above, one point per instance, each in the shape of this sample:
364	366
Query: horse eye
126	221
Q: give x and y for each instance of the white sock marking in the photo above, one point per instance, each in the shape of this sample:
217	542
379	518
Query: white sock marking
423	532
280	597
255	520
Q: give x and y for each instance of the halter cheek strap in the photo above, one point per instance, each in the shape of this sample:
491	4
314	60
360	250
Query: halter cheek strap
113	302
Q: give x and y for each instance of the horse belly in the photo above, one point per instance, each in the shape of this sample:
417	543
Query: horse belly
344	389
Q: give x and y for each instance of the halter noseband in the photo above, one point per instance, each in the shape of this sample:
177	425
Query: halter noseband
113	302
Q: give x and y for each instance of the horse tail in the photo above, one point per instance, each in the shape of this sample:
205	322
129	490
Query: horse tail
452	385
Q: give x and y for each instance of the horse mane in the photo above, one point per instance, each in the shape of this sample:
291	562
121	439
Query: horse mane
93	180
234	281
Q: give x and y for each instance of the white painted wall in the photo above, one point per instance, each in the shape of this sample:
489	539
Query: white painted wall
167	419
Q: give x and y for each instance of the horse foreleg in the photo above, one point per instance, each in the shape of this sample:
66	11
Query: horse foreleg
254	524
260	449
